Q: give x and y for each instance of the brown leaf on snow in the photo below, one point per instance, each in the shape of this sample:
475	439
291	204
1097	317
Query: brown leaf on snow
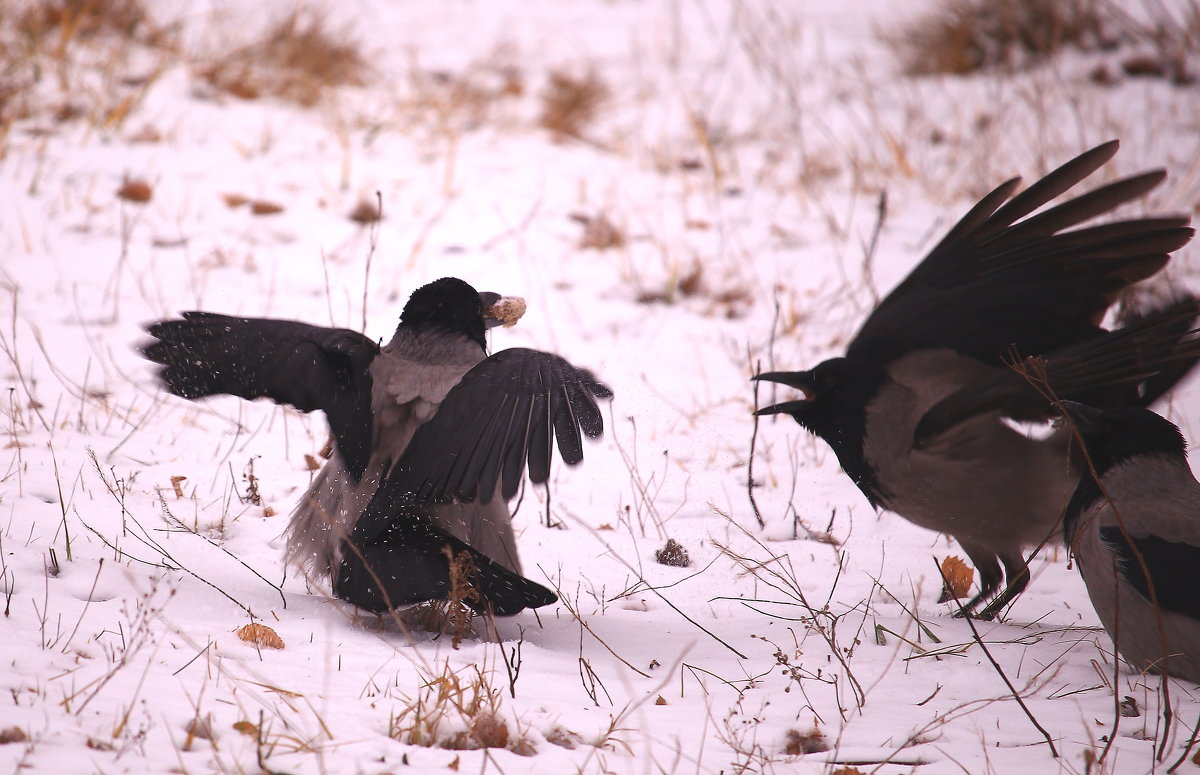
366	211
12	735
264	207
176	485
246	728
260	635
958	576
234	200
135	191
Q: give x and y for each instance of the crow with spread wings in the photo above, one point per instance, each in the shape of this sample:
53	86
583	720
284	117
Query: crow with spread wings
916	410
431	438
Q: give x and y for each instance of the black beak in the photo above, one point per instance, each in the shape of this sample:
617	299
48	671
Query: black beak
487	299
798	380
787	407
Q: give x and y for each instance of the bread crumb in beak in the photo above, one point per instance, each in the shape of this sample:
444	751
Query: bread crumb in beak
508	310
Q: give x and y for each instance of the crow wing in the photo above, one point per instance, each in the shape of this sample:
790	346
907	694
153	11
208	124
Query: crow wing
503	416
996	282
1121	367
1172	568
309	367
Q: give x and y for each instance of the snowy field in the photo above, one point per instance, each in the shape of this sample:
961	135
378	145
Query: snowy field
701	201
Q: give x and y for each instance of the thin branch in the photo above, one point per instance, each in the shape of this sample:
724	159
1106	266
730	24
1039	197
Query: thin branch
374	242
1016	695
750	463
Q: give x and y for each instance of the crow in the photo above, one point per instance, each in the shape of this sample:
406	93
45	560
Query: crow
1133	525
431	438
915	410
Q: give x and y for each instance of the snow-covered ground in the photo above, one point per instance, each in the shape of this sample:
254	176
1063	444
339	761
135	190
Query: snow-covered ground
741	153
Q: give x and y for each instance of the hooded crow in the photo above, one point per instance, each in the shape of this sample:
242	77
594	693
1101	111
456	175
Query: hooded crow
1134	528
431	438
914	411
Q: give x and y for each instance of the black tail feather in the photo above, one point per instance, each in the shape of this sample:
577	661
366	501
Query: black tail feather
412	565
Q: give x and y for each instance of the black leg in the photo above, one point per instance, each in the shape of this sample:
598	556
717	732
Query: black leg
1016	570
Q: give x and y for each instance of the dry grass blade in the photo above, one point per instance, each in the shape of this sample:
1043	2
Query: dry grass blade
457	711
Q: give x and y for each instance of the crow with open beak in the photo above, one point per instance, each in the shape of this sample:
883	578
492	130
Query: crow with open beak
431	438
916	409
1134	528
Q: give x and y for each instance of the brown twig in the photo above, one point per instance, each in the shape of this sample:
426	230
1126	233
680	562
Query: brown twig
869	253
1016	695
1187	750
373	233
750	463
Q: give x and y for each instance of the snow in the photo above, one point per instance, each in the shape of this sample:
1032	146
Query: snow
746	141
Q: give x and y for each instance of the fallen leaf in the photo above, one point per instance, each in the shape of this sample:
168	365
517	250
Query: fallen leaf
260	635
135	191
366	211
263	207
958	575
12	735
246	728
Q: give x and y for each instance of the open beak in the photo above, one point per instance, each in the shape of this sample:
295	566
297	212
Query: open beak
501	310
798	380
